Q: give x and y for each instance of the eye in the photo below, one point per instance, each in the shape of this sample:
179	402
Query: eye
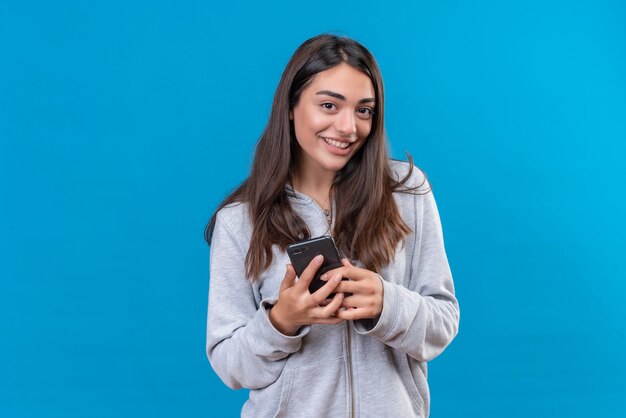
365	112
328	106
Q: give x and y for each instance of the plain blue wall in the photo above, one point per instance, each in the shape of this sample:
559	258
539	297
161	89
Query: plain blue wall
123	124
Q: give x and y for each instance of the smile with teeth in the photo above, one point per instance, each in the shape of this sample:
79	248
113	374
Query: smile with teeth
336	144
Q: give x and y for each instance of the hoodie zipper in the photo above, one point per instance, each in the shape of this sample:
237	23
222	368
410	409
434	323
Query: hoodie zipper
350	383
348	338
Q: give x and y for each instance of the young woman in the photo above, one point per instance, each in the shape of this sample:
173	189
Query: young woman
321	168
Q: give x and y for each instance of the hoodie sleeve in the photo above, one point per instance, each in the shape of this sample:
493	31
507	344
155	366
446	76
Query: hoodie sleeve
422	317
242	345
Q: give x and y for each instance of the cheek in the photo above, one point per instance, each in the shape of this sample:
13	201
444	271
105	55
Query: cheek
310	123
319	122
363	129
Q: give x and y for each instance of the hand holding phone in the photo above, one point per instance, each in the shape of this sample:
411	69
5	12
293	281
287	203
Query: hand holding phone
301	254
296	305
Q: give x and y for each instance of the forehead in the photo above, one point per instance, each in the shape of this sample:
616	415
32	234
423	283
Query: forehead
345	80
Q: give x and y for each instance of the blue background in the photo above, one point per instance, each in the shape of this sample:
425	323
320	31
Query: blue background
124	124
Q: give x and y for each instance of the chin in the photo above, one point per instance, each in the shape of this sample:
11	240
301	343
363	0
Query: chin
335	166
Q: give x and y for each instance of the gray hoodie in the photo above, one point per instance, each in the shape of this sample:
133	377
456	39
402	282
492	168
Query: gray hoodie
363	368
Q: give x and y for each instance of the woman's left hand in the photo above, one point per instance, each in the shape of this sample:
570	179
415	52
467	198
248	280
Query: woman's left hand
366	287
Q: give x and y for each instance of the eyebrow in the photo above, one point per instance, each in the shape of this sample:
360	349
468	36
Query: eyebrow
342	97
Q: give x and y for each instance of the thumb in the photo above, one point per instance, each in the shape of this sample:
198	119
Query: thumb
346	262
290	278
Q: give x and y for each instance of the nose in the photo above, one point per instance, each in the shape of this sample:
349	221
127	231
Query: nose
346	122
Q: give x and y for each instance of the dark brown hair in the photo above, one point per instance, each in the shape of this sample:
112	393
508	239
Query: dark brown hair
368	226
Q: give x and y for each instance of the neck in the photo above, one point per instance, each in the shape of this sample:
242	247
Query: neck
314	183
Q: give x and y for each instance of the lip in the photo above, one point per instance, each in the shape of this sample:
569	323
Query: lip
337	151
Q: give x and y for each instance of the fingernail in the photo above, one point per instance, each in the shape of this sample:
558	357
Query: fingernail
337	278
318	259
324	276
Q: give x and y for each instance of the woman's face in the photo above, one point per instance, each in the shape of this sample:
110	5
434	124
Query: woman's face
333	118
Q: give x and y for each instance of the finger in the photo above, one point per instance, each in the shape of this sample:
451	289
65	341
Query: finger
349	271
330	273
328	321
362	287
333	306
352	314
349	286
357	274
354	302
325	302
289	279
309	272
328	288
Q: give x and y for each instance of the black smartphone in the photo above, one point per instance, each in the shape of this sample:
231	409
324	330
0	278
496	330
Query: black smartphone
301	253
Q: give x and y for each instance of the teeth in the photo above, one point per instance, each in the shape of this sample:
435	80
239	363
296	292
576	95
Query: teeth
336	144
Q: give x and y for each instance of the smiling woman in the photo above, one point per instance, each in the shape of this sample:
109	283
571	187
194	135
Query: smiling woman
332	120
322	168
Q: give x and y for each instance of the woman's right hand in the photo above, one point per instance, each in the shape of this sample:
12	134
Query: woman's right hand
296	306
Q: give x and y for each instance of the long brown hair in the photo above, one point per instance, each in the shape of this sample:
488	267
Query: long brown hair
368	226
